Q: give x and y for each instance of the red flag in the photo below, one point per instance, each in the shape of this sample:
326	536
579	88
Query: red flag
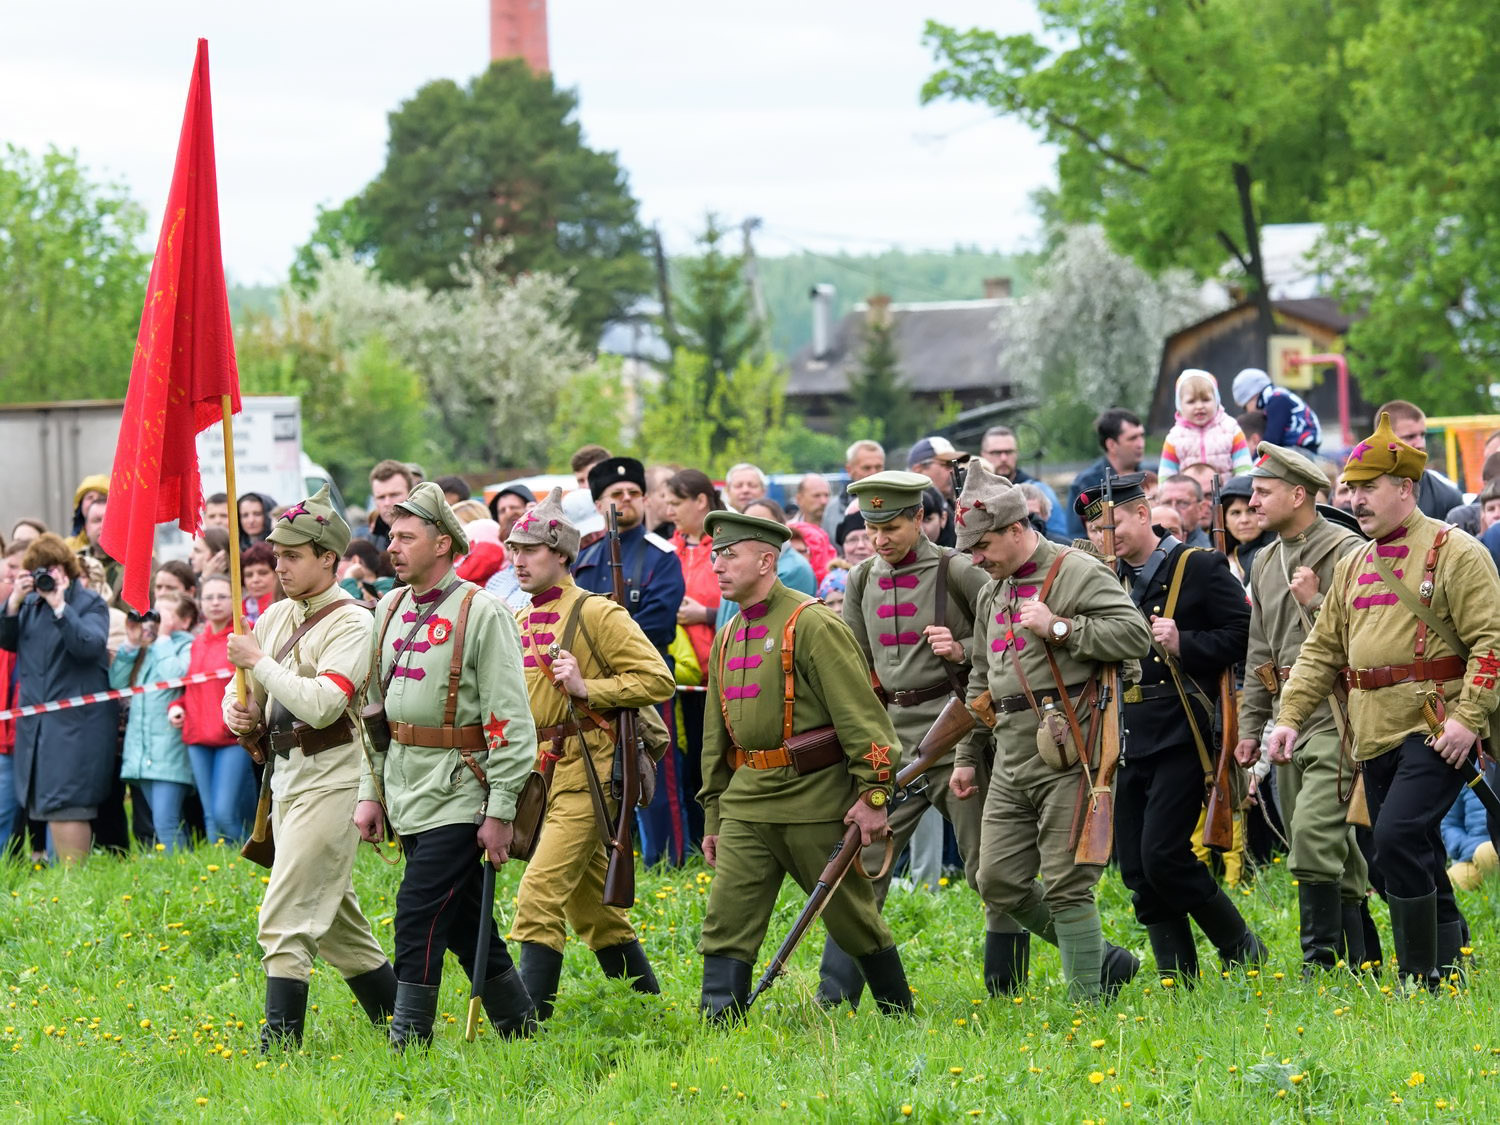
183	363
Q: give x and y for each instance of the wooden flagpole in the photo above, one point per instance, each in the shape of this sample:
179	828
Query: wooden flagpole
235	591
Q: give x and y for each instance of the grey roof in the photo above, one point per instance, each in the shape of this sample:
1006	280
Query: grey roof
940	345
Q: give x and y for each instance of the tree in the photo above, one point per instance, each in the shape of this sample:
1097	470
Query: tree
72	279
1180	127
880	403
713	320
500	161
1412	239
1090	334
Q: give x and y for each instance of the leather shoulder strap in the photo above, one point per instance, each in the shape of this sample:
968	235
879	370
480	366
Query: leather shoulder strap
311	620
456	662
788	668
724	702
1052	574
1174	587
940	595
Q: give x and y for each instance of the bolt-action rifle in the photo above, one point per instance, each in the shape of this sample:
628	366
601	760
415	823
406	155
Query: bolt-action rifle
625	778
1097	835
1218	815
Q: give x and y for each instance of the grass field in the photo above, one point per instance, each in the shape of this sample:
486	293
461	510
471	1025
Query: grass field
133	993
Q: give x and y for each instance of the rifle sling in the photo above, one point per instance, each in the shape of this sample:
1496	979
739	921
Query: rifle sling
1174	591
956	679
1420	608
390	614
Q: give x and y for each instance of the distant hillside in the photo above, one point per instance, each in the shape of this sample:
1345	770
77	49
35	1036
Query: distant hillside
925	276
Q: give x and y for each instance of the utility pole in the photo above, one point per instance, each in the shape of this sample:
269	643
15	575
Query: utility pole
752	282
663	284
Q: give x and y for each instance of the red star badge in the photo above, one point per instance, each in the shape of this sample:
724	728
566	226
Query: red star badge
878	757
494	732
298	509
1489	668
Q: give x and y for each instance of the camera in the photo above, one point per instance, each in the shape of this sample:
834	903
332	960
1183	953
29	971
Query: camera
42	581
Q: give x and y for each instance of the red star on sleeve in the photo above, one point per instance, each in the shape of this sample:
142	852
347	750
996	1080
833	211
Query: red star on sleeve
880	758
1489	668
494	732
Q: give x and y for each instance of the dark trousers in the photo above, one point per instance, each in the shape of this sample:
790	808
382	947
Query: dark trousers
1409	790
438	906
1157	805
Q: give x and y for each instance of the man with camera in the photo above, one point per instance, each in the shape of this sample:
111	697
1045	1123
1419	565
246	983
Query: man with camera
306	660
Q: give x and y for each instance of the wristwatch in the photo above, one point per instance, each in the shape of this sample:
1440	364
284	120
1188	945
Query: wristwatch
875	798
1060	630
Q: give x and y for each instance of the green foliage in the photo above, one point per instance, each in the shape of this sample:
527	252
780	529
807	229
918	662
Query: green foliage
1413	233
711	309
501	161
137	993
1180	127
72	279
593	406
876	389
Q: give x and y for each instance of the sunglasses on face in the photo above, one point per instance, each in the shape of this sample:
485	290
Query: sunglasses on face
150	617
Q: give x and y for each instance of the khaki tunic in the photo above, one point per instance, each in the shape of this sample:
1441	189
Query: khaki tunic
564	882
1363	625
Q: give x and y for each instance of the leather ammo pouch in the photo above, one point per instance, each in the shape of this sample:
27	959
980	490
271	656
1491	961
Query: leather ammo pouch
310	739
377	726
815	750
372	715
531	811
1269	676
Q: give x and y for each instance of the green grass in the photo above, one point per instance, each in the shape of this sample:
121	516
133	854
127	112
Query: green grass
131	991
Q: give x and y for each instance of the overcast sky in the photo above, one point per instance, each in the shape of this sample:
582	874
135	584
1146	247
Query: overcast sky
804	113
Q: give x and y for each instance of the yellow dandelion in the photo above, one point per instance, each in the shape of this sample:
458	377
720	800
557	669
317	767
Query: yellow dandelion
1440	1104
1296	1079
201	1101
906	1110
1096	1077
145	1023
955	1070
1096	1044
1416	1079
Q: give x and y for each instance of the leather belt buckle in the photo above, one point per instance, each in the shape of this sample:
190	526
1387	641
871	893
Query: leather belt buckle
1133	694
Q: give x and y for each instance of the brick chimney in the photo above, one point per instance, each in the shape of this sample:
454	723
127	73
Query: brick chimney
518	29
996	288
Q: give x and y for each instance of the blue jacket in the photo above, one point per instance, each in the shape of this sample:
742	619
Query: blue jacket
653	581
1464	827
65	759
154	750
1290	422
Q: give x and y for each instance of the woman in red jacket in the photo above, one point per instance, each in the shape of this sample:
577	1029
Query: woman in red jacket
221	769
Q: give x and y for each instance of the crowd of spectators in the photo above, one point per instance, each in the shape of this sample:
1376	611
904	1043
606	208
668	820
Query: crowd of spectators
67	777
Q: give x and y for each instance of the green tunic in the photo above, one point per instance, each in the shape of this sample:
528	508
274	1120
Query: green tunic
886	608
831	686
1107	628
427	787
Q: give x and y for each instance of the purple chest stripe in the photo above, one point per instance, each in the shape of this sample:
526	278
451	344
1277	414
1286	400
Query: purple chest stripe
754	633
738	662
400	670
746	691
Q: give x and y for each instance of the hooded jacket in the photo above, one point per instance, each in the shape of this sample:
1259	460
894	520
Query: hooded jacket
1219	443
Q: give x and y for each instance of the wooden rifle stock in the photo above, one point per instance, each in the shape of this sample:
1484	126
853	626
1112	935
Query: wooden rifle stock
1218	816
625	778
947	730
1096	836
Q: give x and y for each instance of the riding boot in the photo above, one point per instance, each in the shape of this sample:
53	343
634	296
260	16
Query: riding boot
1222	924
416	1008
541	970
628	959
726	988
1450	940
1351	917
1117	970
1374	951
1175	950
1080	940
286	1013
1414	931
1322	925
1007	962
887	979
839	978
376	993
508	1005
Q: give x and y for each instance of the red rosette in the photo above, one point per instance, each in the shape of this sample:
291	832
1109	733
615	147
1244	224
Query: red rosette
439	629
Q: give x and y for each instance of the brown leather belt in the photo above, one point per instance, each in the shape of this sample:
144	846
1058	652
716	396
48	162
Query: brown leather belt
920	695
1145	693
809	759
760	759
1387	675
1010	704
439	738
310	739
559	733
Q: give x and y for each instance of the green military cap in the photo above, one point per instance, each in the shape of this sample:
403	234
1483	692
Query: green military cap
427	502
312	521
728	528
883	496
1291	466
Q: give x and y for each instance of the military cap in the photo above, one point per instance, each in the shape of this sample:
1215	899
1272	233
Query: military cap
613	471
883	496
989	502
729	528
428	503
1381	453
1291	466
312	521
1122	490
547	524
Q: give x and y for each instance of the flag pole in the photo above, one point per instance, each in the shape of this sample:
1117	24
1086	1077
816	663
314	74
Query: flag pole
235	591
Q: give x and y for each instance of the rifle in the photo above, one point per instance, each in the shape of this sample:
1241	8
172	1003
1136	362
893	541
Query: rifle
1096	837
625	778
1218	812
952	723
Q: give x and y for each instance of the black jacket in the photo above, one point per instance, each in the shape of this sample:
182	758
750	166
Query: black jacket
1213	625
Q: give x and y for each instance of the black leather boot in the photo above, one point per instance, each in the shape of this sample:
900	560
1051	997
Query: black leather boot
839	978
1175	950
1119	969
1221	923
1352	946
1451	938
726	988
508	1005
886	977
416	1008
286	1013
1414	931
1007	962
376	993
629	960
1322	919
541	970
1374	951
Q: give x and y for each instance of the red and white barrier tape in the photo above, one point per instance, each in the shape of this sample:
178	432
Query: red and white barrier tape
120	693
